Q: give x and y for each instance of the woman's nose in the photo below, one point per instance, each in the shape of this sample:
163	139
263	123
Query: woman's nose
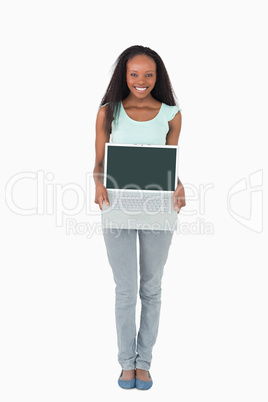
141	81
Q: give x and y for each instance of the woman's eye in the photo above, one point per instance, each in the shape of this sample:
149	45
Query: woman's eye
136	75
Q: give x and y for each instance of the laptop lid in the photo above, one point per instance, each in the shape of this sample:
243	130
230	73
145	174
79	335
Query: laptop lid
141	167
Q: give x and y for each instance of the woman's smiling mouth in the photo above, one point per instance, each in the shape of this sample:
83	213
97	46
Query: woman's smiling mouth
140	89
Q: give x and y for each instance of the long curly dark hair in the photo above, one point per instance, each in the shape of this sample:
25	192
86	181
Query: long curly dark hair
118	90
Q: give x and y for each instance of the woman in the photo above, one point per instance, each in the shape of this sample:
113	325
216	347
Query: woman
139	105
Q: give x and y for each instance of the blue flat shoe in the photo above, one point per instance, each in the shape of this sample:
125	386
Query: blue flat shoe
126	384
144	384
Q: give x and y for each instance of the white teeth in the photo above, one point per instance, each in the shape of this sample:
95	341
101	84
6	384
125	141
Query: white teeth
140	89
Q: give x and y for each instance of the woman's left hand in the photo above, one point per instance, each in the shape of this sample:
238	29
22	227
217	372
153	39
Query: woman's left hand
179	197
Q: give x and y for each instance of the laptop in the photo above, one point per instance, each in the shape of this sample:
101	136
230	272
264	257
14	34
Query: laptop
140	181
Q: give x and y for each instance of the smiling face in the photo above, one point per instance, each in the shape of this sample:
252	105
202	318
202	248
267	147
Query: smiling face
141	75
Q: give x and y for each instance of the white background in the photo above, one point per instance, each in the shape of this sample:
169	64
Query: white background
58	339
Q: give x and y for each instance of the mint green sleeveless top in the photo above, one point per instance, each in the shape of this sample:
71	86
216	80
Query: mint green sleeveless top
151	132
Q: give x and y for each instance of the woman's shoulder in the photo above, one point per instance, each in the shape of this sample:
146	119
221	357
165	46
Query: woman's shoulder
104	107
170	111
102	113
103	110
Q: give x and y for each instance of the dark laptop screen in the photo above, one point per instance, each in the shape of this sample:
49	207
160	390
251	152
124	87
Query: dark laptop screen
138	167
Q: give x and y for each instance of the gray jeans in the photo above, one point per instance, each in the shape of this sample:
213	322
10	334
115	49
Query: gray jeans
121	249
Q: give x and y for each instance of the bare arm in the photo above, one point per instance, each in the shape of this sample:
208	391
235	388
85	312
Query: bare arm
174	131
173	139
101	138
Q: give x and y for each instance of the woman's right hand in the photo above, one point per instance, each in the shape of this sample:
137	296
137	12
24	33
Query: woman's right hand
101	194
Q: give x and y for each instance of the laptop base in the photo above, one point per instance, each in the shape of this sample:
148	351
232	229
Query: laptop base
111	218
